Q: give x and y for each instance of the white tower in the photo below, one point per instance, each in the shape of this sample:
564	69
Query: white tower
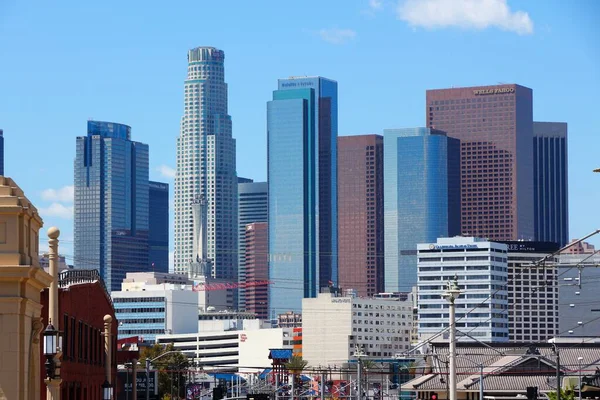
206	167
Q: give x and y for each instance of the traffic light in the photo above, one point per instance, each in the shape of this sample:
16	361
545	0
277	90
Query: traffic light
532	392
433	396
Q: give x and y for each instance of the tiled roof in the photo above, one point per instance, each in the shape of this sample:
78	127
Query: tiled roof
506	368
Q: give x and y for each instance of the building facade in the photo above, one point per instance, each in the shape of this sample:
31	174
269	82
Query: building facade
550	175
257	269
482	271
158	222
360	214
111	202
252	207
21	281
532	292
421	198
578	310
335	327
206	165
302	174
83	301
495	127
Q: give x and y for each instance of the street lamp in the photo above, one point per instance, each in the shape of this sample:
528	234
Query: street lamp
579	359
107	390
52	344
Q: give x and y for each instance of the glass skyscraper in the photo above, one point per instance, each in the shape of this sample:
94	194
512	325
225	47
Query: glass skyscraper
206	165
252	207
550	182
302	175
421	198
111	202
158	236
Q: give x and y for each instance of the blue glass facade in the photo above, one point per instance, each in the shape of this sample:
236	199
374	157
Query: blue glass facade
158	235
550	177
252	207
302	175
1	153
421	198
111	202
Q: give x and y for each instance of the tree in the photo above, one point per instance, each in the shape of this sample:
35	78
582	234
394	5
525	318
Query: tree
565	394
172	369
296	365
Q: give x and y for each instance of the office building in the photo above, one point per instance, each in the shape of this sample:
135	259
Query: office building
550	176
252	207
495	127
302	174
158	235
111	202
579	309
257	269
206	165
83	302
243	349
482	271
335	327
360	214
1	152
421	198
532	292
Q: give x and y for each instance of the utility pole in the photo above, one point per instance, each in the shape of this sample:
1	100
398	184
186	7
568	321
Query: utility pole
53	385
451	294
322	384
359	354
555	348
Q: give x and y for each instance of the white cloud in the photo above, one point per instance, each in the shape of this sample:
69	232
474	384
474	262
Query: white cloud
376	4
166	171
473	14
64	194
337	36
57	210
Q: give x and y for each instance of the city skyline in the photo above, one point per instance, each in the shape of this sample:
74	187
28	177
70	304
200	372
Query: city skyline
52	121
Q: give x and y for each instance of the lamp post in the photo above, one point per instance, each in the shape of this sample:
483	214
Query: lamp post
107	391
52	337
579	359
451	294
108	349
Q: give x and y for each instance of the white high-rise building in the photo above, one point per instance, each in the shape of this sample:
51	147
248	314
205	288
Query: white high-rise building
481	269
206	166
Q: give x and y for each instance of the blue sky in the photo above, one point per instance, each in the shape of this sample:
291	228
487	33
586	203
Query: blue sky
62	63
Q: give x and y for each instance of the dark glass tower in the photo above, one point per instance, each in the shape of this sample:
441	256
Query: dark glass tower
302	175
158	236
111	202
495	127
360	214
550	175
421	198
252	207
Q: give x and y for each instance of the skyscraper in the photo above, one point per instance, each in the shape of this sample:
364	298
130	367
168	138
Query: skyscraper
111	202
421	198
495	127
1	152
302	176
206	165
158	236
256	268
550	176
360	214
252	207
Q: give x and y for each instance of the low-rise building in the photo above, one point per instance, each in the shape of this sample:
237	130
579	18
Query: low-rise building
482	272
335	326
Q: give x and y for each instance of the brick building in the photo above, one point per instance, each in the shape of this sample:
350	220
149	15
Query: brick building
83	302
